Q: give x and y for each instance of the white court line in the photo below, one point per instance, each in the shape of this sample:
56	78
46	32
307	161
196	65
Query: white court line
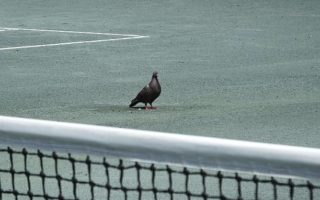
61	31
69	43
125	37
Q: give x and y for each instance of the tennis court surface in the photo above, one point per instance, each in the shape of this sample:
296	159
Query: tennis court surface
241	70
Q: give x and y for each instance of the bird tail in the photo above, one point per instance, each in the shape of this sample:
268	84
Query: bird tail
133	103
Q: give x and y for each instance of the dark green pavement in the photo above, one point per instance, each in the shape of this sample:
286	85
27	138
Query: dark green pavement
233	69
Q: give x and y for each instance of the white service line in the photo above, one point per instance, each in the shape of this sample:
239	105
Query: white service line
69	43
61	31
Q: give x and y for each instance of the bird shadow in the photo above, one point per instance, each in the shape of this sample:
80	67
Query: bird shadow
143	108
119	108
105	108
137	108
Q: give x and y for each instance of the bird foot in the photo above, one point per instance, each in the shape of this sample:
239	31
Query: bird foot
150	108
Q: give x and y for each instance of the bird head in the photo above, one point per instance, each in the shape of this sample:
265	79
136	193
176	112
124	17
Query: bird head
155	74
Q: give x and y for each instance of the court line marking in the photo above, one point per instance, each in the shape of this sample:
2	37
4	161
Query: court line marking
125	37
63	31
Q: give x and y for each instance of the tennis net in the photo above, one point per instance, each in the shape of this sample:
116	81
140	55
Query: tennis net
53	160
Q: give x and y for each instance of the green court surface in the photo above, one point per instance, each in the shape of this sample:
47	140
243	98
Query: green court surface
233	69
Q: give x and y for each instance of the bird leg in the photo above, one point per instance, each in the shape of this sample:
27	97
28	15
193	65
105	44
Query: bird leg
149	108
152	106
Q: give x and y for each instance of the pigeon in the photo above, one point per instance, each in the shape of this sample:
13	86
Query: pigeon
149	93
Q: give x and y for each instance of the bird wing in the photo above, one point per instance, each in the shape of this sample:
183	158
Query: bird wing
144	93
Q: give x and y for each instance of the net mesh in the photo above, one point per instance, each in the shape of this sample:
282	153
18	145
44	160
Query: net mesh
30	174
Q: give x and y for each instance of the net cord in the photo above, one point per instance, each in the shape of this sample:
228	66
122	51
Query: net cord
165	148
